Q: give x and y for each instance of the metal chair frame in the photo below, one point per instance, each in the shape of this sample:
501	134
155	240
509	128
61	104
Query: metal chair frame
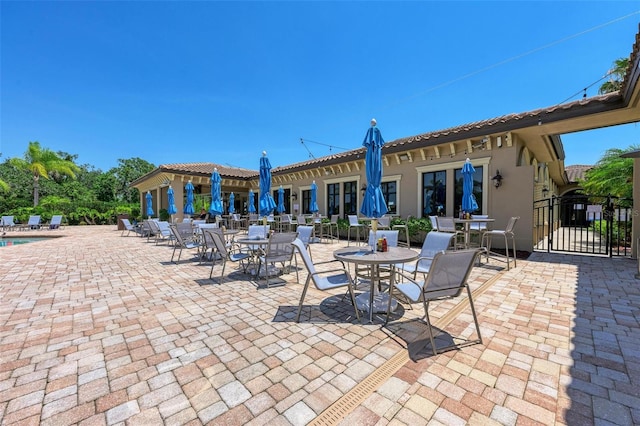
446	279
505	233
338	276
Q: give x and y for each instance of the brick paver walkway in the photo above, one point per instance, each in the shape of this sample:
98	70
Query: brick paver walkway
96	328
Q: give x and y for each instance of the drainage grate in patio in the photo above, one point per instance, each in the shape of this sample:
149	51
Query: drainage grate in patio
337	411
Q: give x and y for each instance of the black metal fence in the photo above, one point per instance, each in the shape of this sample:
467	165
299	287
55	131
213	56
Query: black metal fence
588	224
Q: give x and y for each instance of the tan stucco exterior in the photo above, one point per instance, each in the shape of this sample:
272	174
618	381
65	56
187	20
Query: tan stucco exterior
514	156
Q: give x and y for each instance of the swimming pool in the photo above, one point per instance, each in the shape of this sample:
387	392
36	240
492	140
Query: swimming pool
12	241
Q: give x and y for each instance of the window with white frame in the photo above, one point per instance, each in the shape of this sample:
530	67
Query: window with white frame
437	198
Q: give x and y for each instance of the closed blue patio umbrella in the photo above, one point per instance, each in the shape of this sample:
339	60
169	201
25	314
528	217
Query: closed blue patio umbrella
373	204
232	199
313	207
252	206
281	207
216	208
171	201
267	204
188	207
469	203
149	198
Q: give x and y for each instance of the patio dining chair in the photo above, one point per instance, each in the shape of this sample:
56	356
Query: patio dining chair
286	223
384	222
435	242
226	252
447	278
184	239
153	229
446	224
237	222
390	235
354	223
478	228
159	231
404	231
305	233
506	233
434	222
146	230
279	250
331	228
208	246
336	276
163	231
129	227
255	232
301	219
318	227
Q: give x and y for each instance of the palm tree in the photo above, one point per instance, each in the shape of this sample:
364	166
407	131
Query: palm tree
40	162
612	174
616	76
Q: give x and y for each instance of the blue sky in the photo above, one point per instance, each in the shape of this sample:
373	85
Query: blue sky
175	82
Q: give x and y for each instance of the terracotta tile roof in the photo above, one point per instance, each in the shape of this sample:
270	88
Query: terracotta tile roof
508	122
322	161
481	128
207	168
576	172
632	75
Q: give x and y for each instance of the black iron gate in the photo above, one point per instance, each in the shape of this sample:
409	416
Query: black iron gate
589	224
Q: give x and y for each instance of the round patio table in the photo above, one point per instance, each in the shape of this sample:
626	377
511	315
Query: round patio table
372	300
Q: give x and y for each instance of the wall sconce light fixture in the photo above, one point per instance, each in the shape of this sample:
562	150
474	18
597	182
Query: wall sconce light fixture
482	144
294	196
363	188
497	179
545	191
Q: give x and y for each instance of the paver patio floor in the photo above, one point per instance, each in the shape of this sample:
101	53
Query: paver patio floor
96	328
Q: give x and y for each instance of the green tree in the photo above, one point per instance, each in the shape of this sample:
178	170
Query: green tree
82	190
612	175
126	172
43	162
105	187
19	194
4	186
616	76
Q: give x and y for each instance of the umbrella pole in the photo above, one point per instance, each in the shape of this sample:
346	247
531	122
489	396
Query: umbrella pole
374	228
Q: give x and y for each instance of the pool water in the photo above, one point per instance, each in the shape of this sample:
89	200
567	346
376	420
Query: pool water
12	241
